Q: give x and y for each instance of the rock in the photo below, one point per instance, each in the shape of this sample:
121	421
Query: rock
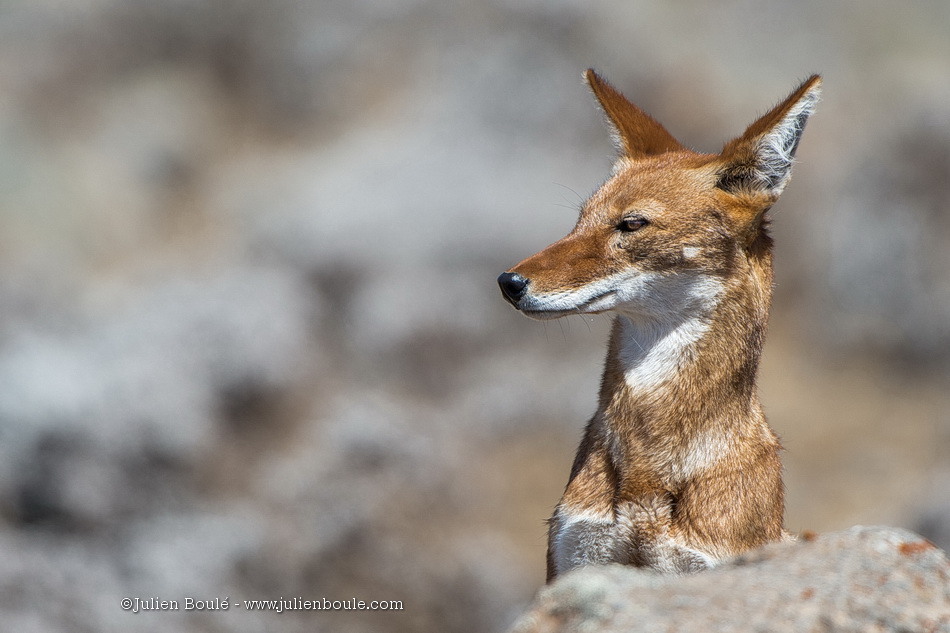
861	579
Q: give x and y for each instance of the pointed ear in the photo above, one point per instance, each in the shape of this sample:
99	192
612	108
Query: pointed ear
761	159
635	132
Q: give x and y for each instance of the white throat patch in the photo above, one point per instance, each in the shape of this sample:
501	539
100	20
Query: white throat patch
653	347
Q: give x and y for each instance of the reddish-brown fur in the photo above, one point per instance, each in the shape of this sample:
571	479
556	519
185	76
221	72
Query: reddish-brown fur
678	468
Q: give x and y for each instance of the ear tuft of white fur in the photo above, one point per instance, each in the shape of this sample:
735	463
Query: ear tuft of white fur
761	159
775	150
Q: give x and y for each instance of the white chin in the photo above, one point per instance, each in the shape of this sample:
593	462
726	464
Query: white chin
547	315
596	305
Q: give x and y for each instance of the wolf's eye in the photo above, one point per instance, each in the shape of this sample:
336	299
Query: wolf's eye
632	223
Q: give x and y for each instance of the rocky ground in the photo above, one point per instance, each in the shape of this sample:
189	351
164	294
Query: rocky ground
250	339
862	579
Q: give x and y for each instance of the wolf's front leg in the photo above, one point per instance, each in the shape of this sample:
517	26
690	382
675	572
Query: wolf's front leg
585	537
647	524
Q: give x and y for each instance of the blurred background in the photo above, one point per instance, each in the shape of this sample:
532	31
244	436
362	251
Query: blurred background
251	343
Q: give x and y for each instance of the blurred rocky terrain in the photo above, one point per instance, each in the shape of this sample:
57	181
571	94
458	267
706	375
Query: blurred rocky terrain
860	579
250	339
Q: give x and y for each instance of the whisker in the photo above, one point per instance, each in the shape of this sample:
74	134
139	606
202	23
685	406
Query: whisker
580	198
634	339
583	318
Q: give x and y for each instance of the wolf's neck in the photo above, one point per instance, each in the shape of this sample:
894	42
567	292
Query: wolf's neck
698	369
652	354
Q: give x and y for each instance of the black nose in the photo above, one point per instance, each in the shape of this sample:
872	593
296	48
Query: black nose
512	285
